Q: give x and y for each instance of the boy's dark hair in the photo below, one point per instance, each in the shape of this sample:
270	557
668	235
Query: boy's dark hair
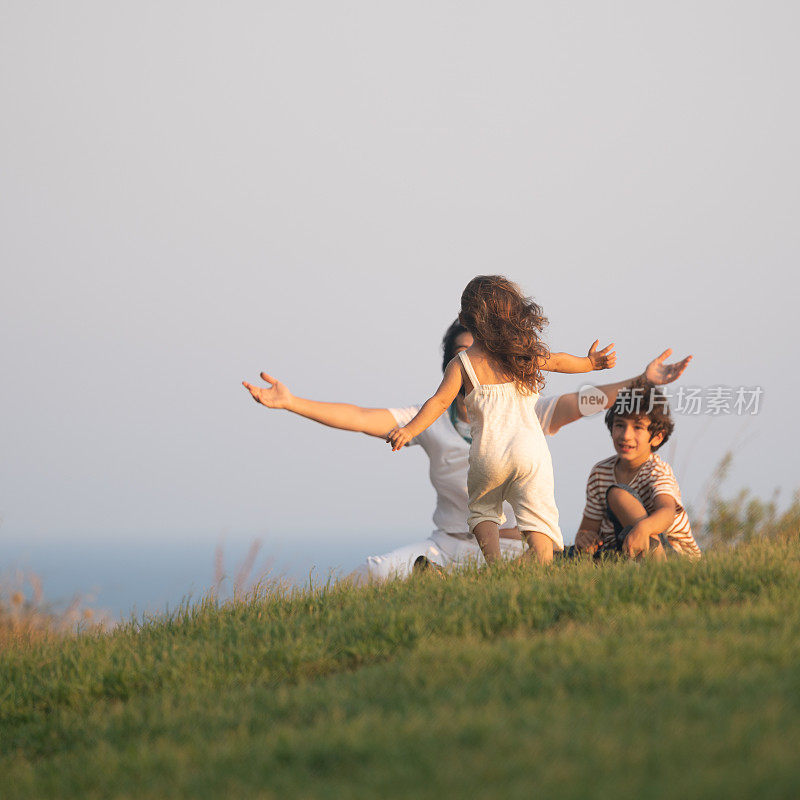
642	399
449	342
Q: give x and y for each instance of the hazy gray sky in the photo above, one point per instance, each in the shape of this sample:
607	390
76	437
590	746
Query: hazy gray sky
193	192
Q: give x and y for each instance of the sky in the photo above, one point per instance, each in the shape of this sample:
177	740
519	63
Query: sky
191	193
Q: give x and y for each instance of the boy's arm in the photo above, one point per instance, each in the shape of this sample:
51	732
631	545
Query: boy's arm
596	359
588	538
638	540
657	372
347	417
432	409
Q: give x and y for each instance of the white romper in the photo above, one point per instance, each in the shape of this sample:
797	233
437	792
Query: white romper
509	458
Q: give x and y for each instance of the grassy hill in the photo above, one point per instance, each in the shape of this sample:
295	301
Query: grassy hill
573	681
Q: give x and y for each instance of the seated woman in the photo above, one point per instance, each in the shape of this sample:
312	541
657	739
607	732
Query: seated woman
446	444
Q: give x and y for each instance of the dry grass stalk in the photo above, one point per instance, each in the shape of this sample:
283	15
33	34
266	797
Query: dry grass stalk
25	618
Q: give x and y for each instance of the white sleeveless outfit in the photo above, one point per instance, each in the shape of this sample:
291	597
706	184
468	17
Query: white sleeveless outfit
509	459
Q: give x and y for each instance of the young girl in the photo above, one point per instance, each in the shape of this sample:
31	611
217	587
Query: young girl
501	375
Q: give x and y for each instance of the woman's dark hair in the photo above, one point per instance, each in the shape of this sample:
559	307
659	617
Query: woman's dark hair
449	342
640	400
508	326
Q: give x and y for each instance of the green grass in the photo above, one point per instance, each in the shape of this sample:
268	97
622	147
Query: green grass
647	681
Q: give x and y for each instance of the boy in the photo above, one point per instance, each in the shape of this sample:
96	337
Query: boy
633	503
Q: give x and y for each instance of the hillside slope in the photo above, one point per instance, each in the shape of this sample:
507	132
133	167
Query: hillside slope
573	681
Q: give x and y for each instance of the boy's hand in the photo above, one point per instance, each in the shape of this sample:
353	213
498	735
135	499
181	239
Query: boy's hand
398	437
637	542
659	373
275	396
602	359
588	541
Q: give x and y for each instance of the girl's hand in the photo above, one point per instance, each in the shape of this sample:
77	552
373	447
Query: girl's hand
277	395
602	359
398	437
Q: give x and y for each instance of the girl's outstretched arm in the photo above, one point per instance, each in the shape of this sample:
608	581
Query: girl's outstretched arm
347	417
432	409
596	359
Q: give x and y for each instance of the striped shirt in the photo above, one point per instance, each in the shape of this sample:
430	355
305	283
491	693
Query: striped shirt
653	478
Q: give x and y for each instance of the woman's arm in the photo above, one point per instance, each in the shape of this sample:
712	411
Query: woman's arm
432	409
596	359
346	417
657	372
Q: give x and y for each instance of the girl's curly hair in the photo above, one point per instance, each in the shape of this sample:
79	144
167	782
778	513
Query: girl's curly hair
508	326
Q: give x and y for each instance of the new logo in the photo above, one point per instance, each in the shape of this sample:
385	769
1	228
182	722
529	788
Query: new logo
591	400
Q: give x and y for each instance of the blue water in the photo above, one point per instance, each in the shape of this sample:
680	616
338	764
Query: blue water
120	578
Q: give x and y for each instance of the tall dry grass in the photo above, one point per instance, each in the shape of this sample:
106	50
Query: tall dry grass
26	618
727	521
